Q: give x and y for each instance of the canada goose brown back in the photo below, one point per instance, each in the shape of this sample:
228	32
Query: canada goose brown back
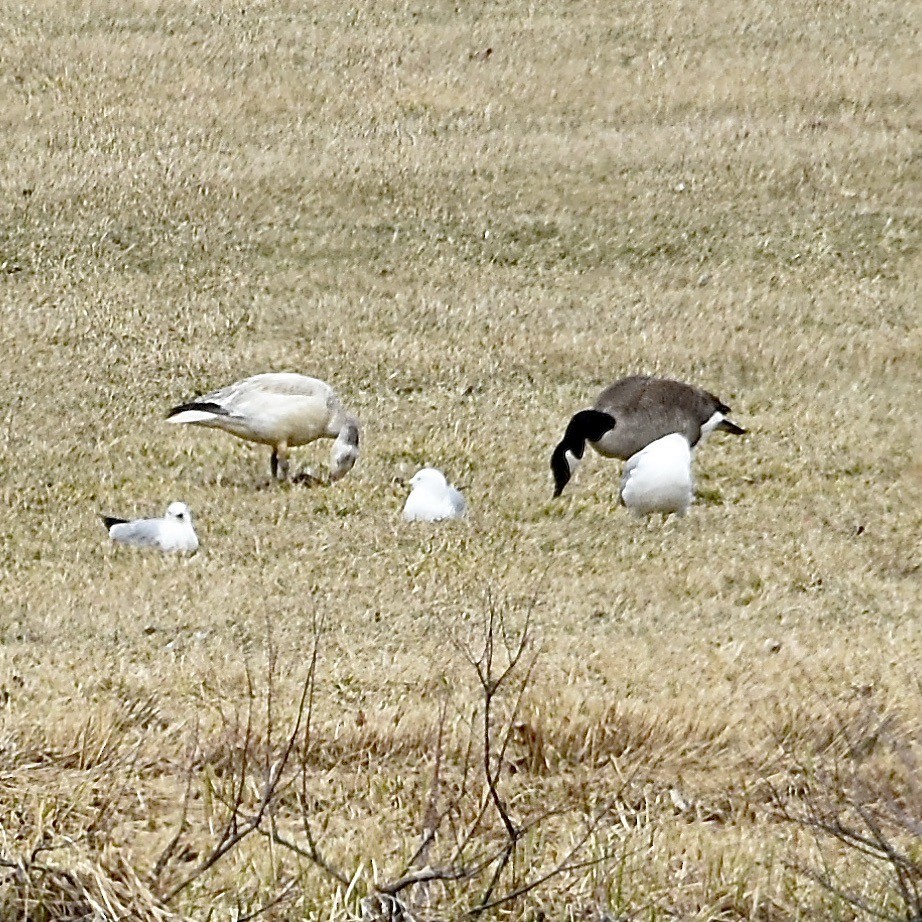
633	412
646	409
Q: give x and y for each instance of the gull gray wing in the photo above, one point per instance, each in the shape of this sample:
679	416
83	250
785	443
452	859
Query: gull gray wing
629	467
141	533
457	500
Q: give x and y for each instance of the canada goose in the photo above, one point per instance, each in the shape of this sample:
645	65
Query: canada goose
658	478
632	413
174	532
432	498
282	410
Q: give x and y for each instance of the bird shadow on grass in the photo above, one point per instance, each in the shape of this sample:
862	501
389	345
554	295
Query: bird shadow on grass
305	478
308	478
708	496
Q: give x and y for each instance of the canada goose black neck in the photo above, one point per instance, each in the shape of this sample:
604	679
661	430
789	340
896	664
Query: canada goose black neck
587	425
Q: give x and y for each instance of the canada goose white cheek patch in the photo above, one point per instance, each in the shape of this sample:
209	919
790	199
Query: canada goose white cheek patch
711	425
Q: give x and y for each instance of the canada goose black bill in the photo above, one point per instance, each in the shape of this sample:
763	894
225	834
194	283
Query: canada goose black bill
282	410
633	412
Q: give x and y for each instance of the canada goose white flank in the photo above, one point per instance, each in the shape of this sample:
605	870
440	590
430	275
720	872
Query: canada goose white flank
174	532
658	478
633	412
432	498
282	410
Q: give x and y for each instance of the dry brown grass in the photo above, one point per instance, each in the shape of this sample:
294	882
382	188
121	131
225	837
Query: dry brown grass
468	249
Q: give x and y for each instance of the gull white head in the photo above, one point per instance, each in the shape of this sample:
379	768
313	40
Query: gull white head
180	512
429	478
432	498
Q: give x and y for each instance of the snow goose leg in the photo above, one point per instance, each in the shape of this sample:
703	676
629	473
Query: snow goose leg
278	463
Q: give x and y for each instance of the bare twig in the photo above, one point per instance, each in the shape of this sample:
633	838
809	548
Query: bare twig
424	875
280	897
240	825
564	868
312	852
167	854
432	818
847	812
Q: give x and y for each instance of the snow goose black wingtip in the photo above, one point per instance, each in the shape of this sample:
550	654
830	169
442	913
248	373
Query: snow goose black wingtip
195	412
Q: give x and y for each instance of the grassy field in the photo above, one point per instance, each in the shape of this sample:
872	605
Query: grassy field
468	246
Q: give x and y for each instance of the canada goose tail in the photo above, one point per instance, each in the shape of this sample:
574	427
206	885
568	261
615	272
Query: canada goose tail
718	420
727	425
109	521
196	412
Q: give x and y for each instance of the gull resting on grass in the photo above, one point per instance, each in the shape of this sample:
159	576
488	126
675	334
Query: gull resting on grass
432	498
174	532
